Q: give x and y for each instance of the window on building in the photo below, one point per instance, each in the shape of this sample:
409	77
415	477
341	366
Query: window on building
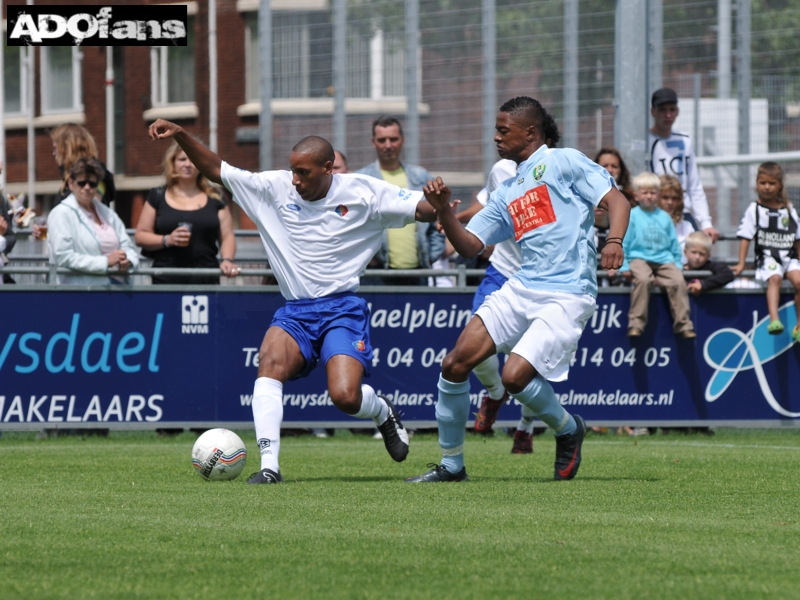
61	79
172	74
302	59
16	101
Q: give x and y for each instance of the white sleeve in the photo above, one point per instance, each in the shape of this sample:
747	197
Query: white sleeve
694	190
483	196
503	170
249	189
747	228
394	206
2	246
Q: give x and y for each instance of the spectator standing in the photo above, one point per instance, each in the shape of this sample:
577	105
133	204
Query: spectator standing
340	164
7	236
651	250
672	153
670	200
85	235
417	245
773	224
71	142
611	160
698	258
185	223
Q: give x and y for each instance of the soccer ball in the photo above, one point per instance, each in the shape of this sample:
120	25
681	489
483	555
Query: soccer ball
219	455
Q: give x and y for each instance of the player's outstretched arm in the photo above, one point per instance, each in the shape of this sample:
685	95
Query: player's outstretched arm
438	195
619	212
206	161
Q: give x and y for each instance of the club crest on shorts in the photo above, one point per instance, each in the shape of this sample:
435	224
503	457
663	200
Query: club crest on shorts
360	345
341	210
538	171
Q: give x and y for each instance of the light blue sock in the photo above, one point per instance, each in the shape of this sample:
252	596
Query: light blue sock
541	399
452	412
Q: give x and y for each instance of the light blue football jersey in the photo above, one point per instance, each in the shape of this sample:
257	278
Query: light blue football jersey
548	209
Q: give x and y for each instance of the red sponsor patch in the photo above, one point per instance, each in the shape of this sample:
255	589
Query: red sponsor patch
530	211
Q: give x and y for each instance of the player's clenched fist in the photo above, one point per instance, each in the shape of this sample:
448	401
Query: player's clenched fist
162	129
437	194
611	256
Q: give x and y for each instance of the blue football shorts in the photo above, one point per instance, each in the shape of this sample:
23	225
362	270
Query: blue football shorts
492	281
325	327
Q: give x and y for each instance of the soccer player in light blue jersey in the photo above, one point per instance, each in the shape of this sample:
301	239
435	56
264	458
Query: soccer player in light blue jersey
538	316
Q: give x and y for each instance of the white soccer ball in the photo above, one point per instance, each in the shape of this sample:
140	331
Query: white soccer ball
219	455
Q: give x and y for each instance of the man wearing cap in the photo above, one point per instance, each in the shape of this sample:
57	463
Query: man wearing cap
672	153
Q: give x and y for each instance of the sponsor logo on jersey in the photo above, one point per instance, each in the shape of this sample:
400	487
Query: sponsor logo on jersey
293	207
538	171
520	181
341	210
530	211
360	345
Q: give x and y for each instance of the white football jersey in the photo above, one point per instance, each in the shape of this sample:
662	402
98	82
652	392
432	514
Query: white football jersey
321	247
506	256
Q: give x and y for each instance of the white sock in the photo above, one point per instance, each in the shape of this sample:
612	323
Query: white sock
372	407
268	416
526	420
488	373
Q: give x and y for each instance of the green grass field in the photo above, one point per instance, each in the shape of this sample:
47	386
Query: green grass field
672	516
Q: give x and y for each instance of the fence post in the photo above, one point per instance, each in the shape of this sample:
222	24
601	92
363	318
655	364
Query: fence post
462	276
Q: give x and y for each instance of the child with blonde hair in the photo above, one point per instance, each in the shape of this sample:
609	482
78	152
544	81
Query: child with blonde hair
773	224
697	252
652	250
671	201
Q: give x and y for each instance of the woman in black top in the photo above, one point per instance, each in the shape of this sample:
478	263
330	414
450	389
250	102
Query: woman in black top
188	197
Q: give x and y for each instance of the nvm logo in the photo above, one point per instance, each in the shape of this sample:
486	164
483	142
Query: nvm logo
194	314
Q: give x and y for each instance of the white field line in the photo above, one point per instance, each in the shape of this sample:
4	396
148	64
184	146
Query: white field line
693	444
152	446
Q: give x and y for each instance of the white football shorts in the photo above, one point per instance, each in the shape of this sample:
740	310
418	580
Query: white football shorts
773	267
543	327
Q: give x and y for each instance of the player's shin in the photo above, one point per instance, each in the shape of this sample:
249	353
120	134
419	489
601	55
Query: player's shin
452	411
526	420
372	407
488	373
268	415
541	399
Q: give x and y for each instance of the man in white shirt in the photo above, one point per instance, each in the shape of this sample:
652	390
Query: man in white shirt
672	153
320	230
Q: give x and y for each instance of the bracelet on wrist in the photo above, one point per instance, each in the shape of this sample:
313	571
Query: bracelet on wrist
613	242
164	242
222	260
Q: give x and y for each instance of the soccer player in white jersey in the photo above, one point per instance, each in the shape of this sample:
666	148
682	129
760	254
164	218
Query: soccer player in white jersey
538	316
320	230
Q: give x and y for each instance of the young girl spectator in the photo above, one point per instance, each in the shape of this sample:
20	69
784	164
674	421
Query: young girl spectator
611	160
773	224
671	202
652	250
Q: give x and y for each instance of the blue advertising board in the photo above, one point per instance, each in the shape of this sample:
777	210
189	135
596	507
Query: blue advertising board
150	359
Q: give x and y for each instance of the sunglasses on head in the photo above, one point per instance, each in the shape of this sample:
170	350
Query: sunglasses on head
82	183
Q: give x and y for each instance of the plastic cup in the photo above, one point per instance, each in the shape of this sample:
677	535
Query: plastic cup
41	223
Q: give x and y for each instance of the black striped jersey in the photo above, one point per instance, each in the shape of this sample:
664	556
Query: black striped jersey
774	231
